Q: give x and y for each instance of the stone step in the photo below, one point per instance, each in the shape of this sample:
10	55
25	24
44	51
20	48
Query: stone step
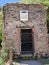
28	55
23	56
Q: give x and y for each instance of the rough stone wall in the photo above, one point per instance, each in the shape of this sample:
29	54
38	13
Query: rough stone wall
37	19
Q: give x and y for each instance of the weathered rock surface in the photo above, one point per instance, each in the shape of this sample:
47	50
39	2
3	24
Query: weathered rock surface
36	19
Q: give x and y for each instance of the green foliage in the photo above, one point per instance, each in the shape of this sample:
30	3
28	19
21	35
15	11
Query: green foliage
46	3
1	22
0	26
48	19
0	8
34	58
2	62
35	1
4	56
0	42
26	1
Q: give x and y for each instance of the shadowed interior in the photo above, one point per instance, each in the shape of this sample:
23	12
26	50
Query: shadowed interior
26	40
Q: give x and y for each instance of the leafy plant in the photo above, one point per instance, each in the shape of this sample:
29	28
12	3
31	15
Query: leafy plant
45	2
0	26
2	62
4	56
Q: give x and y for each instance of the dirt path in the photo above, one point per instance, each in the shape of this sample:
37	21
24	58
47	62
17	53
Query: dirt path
29	62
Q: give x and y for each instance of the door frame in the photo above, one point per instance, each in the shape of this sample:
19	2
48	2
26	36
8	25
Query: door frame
32	38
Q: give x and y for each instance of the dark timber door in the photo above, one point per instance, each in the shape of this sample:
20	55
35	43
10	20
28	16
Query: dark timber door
27	41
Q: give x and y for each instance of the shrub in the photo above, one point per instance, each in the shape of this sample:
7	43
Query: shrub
4	56
2	62
0	43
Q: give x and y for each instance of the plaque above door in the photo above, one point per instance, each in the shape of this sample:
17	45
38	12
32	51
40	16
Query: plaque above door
23	15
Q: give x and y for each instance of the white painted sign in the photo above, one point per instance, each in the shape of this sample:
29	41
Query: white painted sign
23	15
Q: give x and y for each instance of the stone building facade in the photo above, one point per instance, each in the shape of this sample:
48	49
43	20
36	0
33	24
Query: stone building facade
36	24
